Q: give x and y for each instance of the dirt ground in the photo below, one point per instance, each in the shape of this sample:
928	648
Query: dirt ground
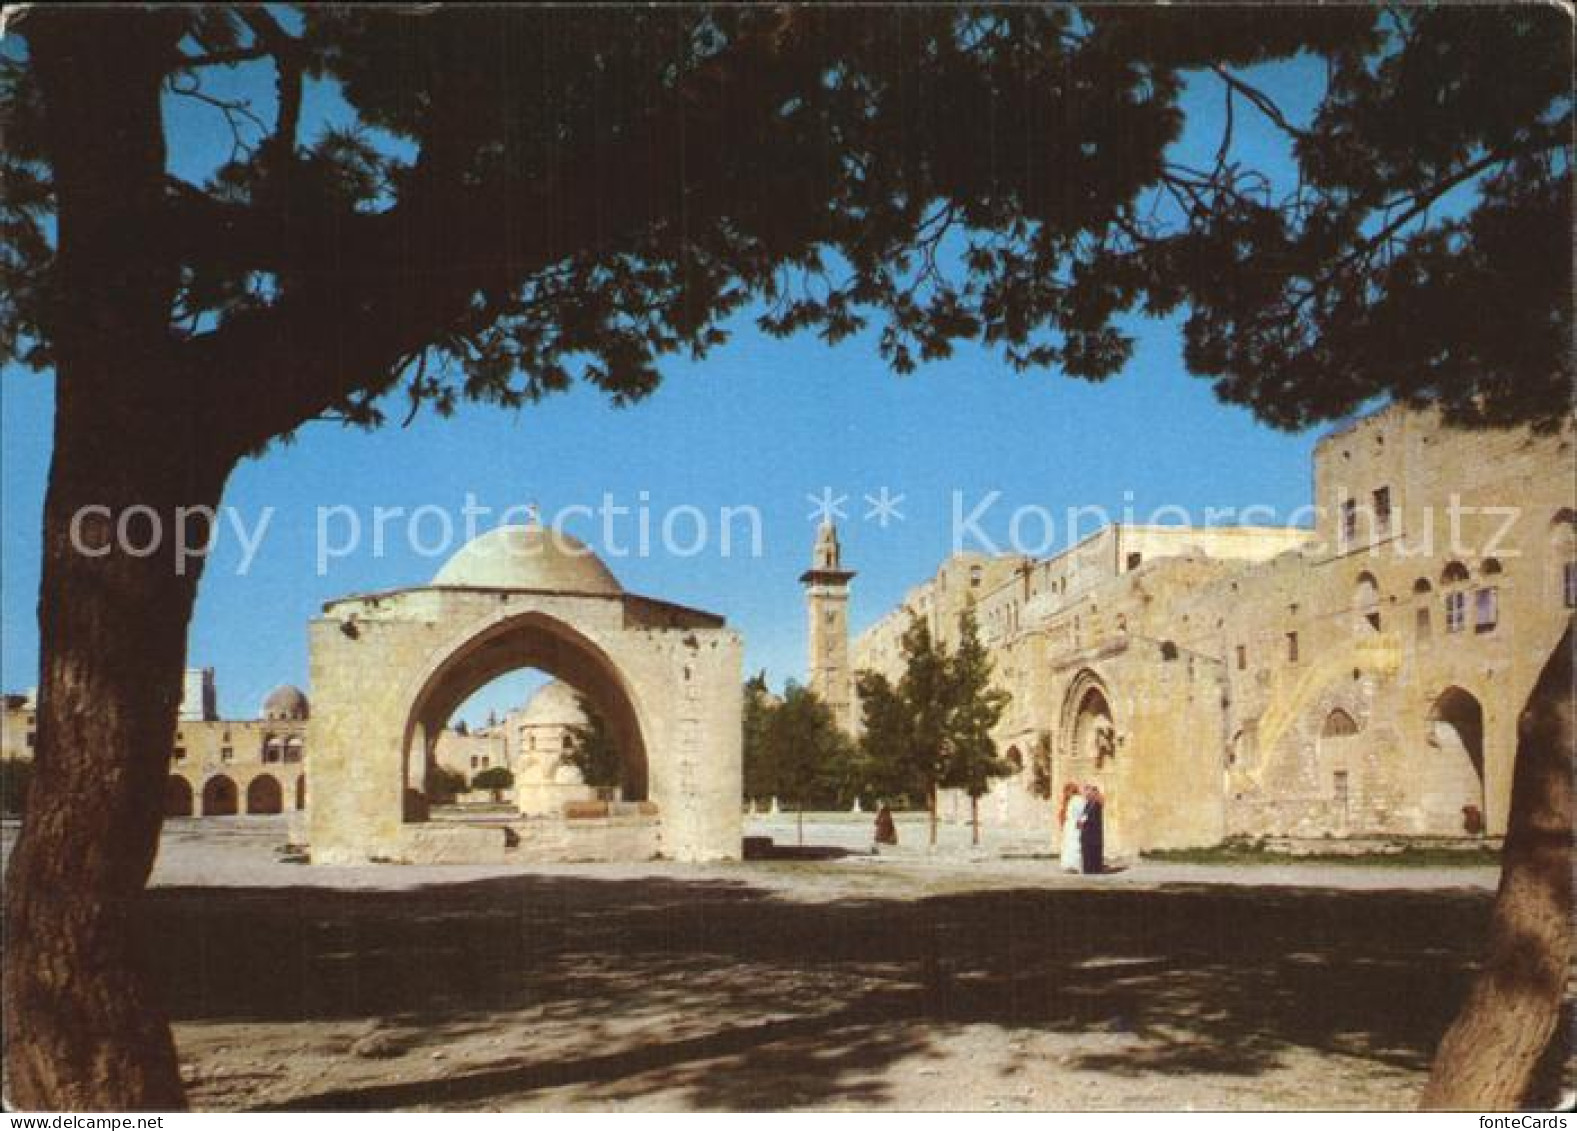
908	981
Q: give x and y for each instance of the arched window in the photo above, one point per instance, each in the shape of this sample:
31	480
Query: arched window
1422	614
1338	724
1366	601
1454	580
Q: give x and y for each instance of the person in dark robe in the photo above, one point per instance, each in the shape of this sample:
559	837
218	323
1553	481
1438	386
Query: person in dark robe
886	830
1092	832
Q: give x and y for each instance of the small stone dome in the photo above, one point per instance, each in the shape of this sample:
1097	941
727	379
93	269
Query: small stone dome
556	704
528	557
568	774
285	703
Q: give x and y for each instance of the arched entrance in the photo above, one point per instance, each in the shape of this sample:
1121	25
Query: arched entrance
263	795
1094	734
1338	755
392	668
219	797
529	640
1089	729
177	797
301	792
1452	779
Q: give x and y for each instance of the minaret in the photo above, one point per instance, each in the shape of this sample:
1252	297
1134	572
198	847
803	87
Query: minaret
827	603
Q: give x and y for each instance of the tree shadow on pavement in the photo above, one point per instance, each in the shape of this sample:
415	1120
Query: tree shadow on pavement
732	997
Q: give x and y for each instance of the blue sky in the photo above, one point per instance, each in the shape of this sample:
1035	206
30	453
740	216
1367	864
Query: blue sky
762	423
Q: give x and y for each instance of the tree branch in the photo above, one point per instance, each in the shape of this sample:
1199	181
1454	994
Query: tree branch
1262	101
286	50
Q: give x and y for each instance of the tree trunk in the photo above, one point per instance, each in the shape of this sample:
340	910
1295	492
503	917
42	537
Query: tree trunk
931	803
1487	1059
974	820
81	1030
139	440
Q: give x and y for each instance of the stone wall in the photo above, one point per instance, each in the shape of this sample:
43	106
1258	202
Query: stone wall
1328	681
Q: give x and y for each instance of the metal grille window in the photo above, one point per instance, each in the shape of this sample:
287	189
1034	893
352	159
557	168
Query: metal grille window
1456	611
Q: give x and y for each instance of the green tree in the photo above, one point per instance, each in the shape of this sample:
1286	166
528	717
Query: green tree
592	750
909	725
759	781
972	760
805	750
494	779
443	784
663	169
884	743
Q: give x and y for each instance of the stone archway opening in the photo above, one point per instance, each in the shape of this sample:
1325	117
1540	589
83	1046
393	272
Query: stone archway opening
1453	770
177	797
1090	726
532	641
219	797
264	795
1094	733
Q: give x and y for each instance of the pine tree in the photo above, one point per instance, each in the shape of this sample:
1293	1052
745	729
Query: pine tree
972	762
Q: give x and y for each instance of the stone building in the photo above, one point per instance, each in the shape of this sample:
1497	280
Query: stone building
390	668
1361	677
218	767
469	753
539	736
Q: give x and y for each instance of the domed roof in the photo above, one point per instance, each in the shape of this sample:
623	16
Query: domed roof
285	702
528	557
556	704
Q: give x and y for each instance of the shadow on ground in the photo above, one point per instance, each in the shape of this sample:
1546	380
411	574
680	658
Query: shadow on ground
736	998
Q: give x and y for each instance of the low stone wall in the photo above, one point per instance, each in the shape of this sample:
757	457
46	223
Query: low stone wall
591	839
631	833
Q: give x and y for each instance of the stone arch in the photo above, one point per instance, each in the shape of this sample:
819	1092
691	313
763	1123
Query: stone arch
1366	601
263	795
1563	558
1452	777
177	796
1338	724
219	796
1089	722
509	643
